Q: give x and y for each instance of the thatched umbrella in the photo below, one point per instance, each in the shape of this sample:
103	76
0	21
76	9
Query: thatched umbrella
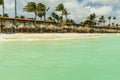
72	28
42	27
32	28
13	27
80	29
76	28
65	28
51	28
20	27
6	28
55	28
10	28
27	28
59	29
86	29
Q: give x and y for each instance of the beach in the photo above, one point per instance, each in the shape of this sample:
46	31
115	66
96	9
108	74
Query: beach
50	36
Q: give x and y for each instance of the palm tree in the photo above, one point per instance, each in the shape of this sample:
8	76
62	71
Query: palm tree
81	23
45	10
109	18
50	18
40	15
117	24
72	21
65	12
102	20
61	8
91	19
22	16
61	19
113	24
114	18
42	10
2	3
55	16
32	7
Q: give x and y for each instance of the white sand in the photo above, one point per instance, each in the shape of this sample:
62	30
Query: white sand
50	36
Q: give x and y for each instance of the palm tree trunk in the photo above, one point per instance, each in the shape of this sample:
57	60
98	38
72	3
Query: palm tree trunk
58	20
44	14
3	9
40	18
66	18
44	17
114	22
35	19
109	22
62	15
15	8
100	23
104	24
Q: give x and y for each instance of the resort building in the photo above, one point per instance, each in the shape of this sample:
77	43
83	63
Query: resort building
25	21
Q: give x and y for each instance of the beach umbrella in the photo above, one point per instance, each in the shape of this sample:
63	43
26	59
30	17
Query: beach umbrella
76	28
80	29
72	27
86	29
65	27
55	27
32	26
41	26
51	27
27	26
10	26
59	28
21	26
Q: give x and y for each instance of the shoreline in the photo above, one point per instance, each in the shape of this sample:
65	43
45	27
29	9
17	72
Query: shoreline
51	36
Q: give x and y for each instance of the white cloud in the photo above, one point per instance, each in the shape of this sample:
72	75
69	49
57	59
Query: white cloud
104	10
105	2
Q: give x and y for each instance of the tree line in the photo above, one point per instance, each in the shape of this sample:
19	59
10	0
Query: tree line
94	20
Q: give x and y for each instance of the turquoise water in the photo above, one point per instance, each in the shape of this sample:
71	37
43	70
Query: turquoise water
81	59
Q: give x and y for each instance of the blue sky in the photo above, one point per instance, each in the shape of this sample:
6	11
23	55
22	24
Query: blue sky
79	9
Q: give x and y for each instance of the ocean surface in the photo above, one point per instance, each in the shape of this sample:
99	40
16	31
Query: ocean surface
77	59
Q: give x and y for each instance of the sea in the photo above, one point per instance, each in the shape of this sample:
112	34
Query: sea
71	59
